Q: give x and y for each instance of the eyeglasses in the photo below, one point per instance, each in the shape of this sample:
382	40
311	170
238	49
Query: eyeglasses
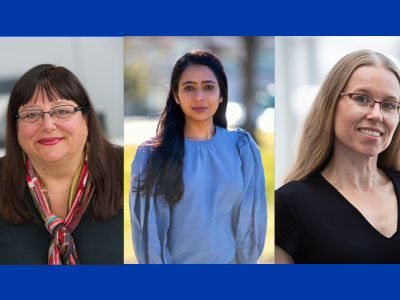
365	103
59	114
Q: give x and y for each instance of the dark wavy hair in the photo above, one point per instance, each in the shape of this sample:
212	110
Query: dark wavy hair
165	166
105	160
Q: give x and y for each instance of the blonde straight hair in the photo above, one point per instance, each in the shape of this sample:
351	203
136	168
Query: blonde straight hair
315	146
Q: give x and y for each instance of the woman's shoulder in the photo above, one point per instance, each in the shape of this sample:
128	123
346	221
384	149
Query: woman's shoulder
143	153
304	189
147	146
242	137
246	147
395	175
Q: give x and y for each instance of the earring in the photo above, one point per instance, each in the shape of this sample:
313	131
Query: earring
220	100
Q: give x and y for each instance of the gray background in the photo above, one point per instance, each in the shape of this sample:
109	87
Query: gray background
96	61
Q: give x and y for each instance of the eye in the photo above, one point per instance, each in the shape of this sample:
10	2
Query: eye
30	115
61	112
188	88
361	99
389	105
209	87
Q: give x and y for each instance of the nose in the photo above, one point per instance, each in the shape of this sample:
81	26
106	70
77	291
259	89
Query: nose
47	123
375	113
199	95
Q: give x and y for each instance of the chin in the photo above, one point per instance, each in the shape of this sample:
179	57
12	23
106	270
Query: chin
51	157
201	118
369	152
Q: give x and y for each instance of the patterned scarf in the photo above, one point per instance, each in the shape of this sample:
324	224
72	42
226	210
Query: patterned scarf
62	248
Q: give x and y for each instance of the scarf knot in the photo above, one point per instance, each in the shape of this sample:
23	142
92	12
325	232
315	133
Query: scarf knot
62	247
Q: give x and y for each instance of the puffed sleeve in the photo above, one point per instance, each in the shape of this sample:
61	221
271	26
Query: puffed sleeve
252	222
150	218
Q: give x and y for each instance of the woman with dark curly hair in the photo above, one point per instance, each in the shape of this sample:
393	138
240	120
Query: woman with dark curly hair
61	180
197	188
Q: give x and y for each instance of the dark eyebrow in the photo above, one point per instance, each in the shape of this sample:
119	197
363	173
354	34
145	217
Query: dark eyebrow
203	82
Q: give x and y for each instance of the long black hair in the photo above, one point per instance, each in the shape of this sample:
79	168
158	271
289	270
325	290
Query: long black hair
165	166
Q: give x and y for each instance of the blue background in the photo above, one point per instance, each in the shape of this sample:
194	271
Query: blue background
121	18
250	17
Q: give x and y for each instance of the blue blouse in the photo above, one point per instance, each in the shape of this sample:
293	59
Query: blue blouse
222	215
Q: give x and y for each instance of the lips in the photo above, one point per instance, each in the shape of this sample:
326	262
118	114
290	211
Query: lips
50	141
200	108
371	132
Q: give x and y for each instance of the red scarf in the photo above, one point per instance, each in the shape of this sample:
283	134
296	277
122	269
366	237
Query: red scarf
62	248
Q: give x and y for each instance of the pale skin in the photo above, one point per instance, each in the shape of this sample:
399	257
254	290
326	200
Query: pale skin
57	178
353	169
199	96
57	164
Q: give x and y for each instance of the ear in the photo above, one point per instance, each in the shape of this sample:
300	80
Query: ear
176	99
87	125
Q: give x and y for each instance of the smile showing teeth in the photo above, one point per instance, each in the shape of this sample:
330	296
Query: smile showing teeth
370	132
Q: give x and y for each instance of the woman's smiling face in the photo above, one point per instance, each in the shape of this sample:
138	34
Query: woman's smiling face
198	94
369	132
51	141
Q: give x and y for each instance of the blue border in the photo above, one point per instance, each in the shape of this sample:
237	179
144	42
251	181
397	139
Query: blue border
121	18
250	17
200	282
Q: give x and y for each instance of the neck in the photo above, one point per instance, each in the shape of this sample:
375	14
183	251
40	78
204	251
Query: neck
59	171
202	131
354	171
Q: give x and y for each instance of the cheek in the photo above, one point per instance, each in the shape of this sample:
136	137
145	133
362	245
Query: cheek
25	132
183	104
345	120
392	128
78	133
25	137
76	127
83	130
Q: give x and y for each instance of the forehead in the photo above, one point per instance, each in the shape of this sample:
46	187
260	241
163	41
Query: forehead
42	101
375	80
197	73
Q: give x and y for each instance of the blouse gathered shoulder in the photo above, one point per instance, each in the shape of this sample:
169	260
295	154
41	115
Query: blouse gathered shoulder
222	215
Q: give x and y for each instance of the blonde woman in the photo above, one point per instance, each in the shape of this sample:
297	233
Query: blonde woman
339	203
